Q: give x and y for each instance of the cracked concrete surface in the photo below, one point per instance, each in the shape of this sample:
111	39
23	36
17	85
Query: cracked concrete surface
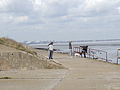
82	74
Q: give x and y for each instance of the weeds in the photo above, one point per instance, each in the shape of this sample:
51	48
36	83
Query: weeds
5	78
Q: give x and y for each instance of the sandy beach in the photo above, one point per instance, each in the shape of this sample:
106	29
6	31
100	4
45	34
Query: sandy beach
80	74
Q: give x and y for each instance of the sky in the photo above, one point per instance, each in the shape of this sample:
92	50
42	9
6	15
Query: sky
60	20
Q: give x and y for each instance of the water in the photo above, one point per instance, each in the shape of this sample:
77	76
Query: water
111	52
110	49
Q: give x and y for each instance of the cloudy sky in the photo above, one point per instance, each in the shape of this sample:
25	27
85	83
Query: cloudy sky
60	19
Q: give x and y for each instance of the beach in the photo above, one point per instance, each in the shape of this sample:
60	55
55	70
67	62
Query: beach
79	74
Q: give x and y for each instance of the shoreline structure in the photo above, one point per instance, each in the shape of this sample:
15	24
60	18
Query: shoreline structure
98	54
78	73
82	74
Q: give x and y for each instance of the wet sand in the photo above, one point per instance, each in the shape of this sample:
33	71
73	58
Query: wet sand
82	74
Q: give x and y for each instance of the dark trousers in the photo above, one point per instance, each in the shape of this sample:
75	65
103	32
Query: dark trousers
50	54
84	53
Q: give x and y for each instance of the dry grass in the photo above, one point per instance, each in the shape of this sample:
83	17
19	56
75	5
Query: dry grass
11	43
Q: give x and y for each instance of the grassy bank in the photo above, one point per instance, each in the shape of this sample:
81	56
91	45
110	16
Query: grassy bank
13	44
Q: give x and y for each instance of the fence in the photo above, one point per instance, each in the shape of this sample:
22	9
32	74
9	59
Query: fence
93	53
77	49
98	54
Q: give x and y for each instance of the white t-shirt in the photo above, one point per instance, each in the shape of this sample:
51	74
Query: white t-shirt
51	47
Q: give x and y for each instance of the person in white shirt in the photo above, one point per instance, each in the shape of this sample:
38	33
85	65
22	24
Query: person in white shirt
51	48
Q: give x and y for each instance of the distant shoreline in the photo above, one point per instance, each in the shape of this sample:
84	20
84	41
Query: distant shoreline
76	44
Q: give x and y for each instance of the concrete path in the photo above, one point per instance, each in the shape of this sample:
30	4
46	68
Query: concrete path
31	80
82	74
88	74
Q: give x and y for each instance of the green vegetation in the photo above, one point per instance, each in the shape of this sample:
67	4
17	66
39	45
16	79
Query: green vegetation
5	78
11	43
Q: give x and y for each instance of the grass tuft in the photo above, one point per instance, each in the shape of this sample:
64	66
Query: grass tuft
5	78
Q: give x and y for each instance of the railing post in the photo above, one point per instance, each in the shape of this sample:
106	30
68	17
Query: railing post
89	52
79	49
117	56
106	57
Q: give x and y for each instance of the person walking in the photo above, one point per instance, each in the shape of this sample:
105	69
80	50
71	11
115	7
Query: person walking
50	49
70	47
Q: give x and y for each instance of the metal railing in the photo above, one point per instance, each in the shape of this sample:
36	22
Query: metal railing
93	53
77	49
98	54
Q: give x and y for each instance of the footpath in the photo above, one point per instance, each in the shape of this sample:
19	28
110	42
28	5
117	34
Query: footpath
81	74
89	74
